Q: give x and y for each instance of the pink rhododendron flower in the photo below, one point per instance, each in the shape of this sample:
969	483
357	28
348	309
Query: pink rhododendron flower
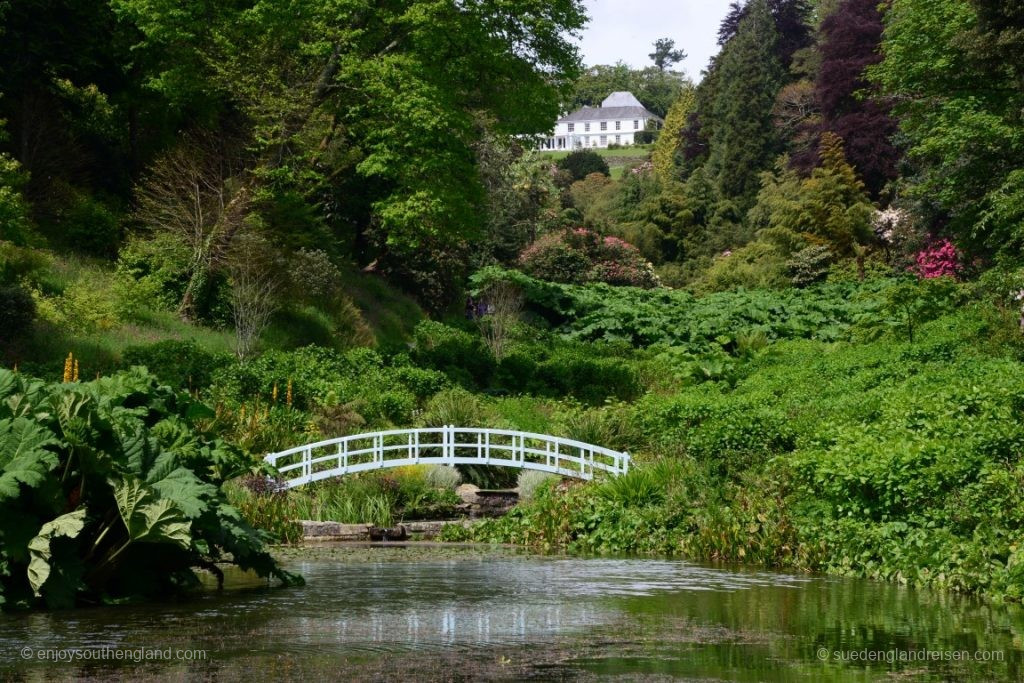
940	259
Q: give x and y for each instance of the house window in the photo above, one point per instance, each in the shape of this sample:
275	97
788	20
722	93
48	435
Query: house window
572	127
618	139
636	124
604	139
604	125
586	127
618	125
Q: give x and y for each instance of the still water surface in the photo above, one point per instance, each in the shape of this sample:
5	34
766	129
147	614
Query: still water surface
468	614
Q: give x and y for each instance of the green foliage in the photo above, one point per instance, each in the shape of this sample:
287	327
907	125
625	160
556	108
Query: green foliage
582	162
459	354
886	459
14	212
107	492
86	225
758	265
17	311
321	378
677	318
381	499
664	155
913	302
964	141
831	204
184	365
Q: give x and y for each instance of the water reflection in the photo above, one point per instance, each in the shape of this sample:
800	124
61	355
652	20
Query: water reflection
468	616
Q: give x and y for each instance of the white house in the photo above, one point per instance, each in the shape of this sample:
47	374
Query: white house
619	118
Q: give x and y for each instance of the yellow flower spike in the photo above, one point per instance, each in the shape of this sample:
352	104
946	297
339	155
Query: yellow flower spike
76	371
289	397
274	393
68	366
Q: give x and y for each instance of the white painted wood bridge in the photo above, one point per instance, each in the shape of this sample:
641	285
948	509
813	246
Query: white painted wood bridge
445	446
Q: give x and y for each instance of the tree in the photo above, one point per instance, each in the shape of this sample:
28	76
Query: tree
504	302
960	115
665	55
656	89
196	196
347	98
850	39
670	140
583	162
256	280
743	140
791	23
521	198
798	118
831	204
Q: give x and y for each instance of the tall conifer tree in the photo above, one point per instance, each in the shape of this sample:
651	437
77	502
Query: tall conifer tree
743	141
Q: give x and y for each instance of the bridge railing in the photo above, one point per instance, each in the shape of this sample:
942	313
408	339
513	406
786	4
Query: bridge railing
448	445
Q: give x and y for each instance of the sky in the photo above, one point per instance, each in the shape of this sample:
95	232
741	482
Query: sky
627	29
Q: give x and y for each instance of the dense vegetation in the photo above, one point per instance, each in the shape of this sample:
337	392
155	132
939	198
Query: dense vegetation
106	492
800	309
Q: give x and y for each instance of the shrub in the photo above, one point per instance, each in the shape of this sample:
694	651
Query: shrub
89	226
17	311
442	477
581	163
455	407
809	266
939	259
573	372
181	364
529	483
461	355
86	305
579	255
15	225
551	257
758	265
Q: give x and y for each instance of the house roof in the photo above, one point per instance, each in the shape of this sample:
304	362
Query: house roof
618	105
621	99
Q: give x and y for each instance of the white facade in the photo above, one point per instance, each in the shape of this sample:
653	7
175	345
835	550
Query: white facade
617	121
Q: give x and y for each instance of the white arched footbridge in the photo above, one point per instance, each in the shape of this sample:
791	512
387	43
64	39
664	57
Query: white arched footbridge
445	446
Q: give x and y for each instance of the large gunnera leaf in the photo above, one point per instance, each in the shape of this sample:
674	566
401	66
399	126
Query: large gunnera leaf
23	455
150	519
68	526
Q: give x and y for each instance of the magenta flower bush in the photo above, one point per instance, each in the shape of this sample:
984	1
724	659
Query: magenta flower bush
938	259
580	255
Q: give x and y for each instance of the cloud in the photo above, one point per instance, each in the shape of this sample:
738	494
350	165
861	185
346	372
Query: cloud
626	30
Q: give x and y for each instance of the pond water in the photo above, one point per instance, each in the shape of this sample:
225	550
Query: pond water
422	613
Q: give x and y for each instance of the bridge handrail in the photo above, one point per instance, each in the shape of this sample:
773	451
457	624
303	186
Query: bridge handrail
441	430
449	445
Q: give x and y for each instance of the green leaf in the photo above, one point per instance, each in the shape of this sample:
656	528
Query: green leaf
150	519
23	455
187	491
67	526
